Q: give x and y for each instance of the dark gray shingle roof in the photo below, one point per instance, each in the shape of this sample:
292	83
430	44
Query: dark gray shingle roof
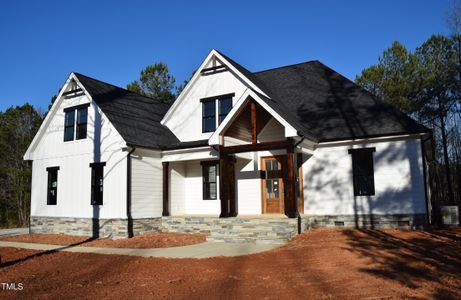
320	102
136	118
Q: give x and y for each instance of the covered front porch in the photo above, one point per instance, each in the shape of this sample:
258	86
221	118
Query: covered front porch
251	168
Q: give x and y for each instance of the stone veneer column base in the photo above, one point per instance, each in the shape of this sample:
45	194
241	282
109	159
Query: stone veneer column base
112	228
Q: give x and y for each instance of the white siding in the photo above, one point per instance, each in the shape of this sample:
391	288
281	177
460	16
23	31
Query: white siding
178	188
74	176
399	185
191	108
194	192
248	186
146	184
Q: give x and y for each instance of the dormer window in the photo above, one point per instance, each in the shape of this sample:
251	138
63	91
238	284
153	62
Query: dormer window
209	120
75	128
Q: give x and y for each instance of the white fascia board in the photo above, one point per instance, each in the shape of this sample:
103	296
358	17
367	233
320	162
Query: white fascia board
29	153
372	140
201	153
289	130
198	73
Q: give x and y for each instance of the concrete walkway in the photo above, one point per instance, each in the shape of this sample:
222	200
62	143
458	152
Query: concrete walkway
14	231
203	250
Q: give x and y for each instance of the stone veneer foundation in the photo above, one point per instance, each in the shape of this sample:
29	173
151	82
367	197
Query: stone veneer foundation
397	221
113	228
238	229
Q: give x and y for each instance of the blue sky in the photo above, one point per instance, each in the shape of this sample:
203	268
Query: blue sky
41	42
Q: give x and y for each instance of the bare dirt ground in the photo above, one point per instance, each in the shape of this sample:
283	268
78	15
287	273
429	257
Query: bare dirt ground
319	264
150	240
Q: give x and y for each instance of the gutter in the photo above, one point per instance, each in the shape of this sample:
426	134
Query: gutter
128	190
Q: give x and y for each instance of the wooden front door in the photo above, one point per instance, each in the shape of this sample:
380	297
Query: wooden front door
272	185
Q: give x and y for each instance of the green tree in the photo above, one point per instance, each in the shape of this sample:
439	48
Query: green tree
392	78
437	73
424	84
155	82
17	128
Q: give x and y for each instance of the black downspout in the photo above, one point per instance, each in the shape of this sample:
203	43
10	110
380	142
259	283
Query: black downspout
128	193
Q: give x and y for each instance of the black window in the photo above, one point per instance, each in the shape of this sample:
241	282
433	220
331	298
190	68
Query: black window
69	125
97	182
208	116
210	185
82	116
209	110
362	171
225	105
52	193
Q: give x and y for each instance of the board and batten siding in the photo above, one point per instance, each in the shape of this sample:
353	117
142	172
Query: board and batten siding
73	158
146	184
191	108
398	175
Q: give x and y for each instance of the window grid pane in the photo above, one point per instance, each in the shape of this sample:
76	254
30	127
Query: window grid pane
82	116
208	116
363	173
52	187
69	126
225	106
210	182
97	182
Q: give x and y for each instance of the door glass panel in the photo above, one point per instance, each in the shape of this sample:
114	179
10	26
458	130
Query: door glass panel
272	179
269	193
276	188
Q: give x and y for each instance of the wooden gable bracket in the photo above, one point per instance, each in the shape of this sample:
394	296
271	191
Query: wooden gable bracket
74	92
213	70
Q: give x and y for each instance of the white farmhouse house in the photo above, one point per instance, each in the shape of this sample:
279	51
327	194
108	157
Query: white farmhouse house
239	155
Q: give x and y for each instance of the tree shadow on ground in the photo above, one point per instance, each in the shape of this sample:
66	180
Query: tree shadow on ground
411	261
44	253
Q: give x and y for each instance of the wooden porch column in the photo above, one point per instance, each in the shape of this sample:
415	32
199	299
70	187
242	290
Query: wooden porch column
233	209
290	200
223	187
166	206
227	186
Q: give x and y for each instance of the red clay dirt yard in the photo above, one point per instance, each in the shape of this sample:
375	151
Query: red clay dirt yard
150	240
319	264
